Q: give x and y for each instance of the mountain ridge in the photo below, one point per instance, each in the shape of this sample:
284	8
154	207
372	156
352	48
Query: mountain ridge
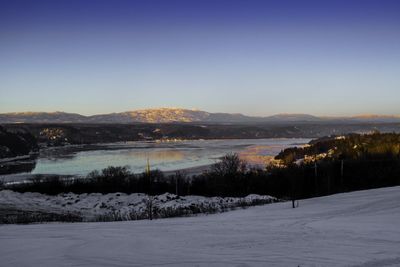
179	115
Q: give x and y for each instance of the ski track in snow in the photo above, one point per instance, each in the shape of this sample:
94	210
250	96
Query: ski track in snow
352	229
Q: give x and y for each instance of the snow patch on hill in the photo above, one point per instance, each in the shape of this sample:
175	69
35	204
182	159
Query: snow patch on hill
115	206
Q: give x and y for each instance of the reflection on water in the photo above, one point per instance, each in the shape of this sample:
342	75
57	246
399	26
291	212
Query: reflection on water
80	160
163	155
21	166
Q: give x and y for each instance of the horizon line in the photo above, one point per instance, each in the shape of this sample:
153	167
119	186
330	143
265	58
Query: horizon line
361	114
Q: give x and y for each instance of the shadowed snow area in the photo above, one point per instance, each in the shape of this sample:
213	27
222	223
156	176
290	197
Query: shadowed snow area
352	229
114	206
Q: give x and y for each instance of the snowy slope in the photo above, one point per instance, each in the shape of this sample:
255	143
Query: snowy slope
353	229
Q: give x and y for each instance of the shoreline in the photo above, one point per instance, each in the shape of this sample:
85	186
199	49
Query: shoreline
54	152
17	178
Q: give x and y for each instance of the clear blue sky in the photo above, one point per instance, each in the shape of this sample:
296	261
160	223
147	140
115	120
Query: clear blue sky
252	57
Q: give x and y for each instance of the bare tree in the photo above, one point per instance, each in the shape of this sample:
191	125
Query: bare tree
230	164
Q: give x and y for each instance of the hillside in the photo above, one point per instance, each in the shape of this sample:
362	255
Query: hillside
41	117
88	133
171	115
351	229
18	143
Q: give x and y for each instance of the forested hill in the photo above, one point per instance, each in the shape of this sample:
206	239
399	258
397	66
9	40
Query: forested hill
18	143
60	134
349	147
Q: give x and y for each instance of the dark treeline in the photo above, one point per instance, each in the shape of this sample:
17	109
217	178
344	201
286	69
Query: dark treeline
298	181
16	143
357	162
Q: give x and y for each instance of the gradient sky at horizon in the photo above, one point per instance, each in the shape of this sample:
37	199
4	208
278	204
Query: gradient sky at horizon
252	57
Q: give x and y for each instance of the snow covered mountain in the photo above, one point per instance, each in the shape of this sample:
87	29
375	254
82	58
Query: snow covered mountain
157	115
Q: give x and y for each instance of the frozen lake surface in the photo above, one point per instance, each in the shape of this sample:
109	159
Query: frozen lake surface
352	229
165	156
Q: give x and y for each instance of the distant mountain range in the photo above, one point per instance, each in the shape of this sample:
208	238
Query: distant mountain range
170	115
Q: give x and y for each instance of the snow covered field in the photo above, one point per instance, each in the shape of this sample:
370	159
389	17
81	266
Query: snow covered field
352	229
